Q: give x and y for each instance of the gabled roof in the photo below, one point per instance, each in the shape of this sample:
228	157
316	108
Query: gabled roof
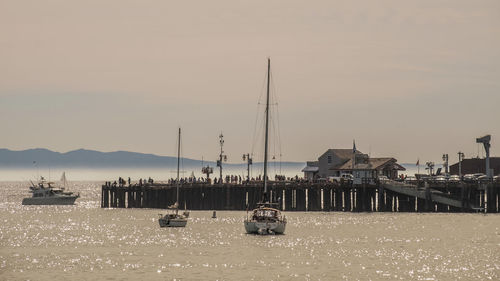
342	153
336	167
371	164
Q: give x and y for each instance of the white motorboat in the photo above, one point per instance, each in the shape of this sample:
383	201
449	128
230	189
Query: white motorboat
45	193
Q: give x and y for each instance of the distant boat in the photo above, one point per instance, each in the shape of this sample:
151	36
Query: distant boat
45	193
174	219
266	218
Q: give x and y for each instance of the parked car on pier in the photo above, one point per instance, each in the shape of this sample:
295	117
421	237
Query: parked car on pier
440	179
454	178
484	178
341	178
469	178
383	178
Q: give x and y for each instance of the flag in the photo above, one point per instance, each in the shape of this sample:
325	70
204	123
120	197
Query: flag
418	162
353	155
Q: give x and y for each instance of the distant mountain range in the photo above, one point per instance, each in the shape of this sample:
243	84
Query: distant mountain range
83	158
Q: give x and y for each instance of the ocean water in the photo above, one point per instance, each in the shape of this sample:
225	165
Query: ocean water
85	242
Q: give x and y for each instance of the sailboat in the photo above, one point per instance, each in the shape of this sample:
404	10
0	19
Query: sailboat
63	180
174	219
266	218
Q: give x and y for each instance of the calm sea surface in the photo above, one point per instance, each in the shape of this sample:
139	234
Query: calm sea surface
85	242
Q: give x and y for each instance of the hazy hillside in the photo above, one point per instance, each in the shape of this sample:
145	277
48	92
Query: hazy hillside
83	158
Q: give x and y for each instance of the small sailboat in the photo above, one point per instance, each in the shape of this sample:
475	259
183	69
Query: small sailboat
63	180
174	219
266	218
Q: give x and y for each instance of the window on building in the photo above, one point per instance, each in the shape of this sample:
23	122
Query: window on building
329	159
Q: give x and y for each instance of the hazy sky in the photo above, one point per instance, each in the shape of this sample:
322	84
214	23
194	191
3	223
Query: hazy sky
408	79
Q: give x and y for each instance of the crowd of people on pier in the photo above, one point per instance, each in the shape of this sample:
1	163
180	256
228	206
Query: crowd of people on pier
228	179
122	182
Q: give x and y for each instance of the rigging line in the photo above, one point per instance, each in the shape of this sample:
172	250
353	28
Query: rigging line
274	142
254	135
257	111
272	127
278	129
259	129
181	149
271	119
277	150
261	140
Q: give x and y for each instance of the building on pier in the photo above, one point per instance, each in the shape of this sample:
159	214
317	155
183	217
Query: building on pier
476	165
367	170
311	170
334	158
335	162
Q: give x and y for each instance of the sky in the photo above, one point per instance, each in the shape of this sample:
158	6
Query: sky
405	79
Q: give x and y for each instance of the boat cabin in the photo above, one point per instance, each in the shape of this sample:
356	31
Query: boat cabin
269	214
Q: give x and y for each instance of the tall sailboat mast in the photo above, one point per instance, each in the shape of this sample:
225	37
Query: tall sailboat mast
178	163
267	128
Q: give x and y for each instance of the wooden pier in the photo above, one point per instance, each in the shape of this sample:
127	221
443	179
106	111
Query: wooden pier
385	197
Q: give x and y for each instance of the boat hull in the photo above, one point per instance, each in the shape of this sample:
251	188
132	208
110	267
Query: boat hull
256	227
177	222
67	200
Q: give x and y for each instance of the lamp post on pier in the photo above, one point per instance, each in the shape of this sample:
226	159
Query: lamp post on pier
222	157
460	158
445	164
207	171
249	162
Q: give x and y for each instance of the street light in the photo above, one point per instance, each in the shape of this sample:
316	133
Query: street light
222	157
249	162
207	171
445	164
